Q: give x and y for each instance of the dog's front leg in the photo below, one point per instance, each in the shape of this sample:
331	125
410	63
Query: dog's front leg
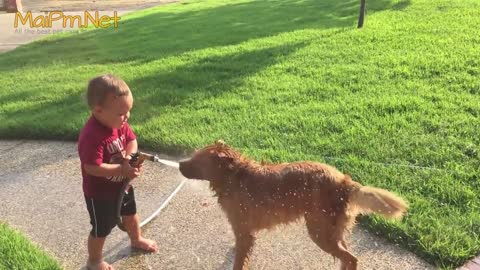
243	247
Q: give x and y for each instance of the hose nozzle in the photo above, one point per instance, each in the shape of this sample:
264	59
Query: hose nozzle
139	157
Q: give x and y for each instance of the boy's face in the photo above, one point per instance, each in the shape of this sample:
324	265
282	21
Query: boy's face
116	110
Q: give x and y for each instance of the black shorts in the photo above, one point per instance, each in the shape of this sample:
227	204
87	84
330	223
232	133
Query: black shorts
103	213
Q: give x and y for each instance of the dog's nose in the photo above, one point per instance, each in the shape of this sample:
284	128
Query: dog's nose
182	165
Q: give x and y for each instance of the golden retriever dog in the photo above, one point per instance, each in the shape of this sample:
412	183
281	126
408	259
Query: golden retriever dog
258	196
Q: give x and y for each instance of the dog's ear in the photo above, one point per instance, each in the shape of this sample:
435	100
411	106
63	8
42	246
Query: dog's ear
225	159
223	155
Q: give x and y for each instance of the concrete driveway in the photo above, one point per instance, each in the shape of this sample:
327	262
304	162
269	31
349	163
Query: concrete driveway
82	5
12	37
40	187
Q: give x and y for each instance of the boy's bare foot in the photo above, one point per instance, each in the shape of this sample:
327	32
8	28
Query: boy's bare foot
145	244
99	266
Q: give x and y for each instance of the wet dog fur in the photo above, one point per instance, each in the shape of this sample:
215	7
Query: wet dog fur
260	196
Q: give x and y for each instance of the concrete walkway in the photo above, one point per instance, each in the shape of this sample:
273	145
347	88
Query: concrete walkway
12	37
40	187
82	5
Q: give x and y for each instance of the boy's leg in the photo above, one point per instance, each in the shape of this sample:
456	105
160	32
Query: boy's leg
131	221
95	247
95	260
132	225
102	220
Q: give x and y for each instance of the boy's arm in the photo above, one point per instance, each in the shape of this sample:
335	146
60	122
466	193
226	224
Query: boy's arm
91	155
104	169
132	147
131	140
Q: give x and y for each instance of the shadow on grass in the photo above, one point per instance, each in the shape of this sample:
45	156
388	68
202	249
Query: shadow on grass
208	77
45	120
160	33
402	5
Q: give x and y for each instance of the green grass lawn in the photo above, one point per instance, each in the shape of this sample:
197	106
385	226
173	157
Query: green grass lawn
17	253
289	80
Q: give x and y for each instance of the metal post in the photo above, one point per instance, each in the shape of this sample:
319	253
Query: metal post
361	17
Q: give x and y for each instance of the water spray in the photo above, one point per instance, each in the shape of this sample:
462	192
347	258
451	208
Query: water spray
136	160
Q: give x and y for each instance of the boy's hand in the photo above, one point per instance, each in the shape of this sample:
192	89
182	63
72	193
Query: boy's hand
129	171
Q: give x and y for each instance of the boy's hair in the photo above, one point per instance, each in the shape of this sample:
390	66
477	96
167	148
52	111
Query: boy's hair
100	87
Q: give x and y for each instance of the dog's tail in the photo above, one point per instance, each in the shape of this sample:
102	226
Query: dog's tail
375	200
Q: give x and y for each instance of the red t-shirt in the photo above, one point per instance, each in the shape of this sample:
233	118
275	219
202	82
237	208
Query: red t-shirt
99	144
